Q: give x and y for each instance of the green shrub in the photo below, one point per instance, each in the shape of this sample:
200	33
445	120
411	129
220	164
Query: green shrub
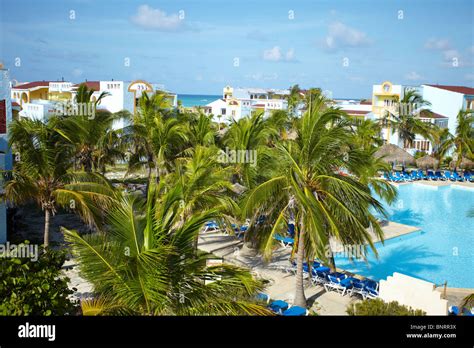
30	287
379	307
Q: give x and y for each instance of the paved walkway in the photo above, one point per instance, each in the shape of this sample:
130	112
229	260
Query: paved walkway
281	283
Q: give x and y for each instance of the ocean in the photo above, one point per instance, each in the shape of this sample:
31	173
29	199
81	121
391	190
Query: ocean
189	100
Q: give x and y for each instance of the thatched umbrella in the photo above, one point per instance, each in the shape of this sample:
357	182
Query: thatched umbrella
426	162
394	155
465	163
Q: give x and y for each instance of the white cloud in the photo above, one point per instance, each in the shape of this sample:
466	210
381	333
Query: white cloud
156	19
273	54
413	76
341	35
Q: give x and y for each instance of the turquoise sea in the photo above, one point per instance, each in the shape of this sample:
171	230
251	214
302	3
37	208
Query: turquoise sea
189	100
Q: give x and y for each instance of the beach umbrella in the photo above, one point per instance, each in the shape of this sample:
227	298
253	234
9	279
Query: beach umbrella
426	162
465	163
393	154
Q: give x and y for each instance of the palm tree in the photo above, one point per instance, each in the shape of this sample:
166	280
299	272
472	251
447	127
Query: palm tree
154	137
442	142
406	123
367	134
42	175
310	190
202	130
463	140
84	95
92	139
145	263
250	134
294	99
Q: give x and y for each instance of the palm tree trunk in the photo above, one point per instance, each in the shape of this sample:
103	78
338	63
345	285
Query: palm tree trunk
332	262
300	298
47	215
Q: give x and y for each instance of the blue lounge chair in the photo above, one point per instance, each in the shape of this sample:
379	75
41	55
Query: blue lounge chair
453	310
358	287
319	275
414	175
447	175
284	241
468	312
338	282
431	175
291	230
439	176
295	311
467	176
278	306
263	297
421	175
456	177
211	226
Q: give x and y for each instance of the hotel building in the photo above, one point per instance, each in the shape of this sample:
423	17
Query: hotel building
241	102
38	100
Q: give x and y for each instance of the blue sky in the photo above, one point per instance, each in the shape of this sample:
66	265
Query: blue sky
200	46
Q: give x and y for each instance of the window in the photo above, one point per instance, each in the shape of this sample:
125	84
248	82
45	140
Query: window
233	112
223	111
3	117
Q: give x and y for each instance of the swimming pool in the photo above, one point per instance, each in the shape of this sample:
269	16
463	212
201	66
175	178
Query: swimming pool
443	248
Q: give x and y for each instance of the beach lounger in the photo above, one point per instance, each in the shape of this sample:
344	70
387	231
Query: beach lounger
211	226
447	175
263	297
295	311
319	275
338	282
439	176
358	287
431	175
421	175
453	310
278	306
457	177
284	241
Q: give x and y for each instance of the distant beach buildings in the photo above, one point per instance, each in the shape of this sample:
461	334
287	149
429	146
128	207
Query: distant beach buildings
241	102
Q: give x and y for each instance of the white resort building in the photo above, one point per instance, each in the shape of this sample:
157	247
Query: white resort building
241	102
38	100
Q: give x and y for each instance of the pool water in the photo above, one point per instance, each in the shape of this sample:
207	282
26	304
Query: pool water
443	248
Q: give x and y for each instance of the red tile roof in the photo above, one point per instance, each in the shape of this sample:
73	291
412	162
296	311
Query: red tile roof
426	114
30	85
15	104
366	102
95	85
457	89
